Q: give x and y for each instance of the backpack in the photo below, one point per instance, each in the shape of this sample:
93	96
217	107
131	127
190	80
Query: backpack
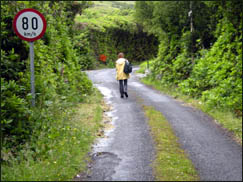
127	67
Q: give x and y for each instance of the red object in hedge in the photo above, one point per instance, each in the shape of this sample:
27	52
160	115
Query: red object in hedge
103	57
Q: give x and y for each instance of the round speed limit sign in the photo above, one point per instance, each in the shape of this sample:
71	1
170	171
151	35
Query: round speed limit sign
29	24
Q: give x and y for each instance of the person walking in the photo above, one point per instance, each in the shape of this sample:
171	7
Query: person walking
120	75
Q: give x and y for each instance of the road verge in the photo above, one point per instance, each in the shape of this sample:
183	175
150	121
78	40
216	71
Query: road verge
225	119
62	147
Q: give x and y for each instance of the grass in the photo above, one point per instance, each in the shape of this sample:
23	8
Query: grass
103	14
171	163
142	67
60	152
108	4
224	118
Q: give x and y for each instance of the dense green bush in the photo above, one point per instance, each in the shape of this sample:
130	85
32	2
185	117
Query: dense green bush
58	75
201	56
217	75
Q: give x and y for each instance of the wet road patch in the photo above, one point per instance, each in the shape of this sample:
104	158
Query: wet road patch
102	166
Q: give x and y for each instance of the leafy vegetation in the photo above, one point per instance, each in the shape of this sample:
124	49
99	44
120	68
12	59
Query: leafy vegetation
113	30
58	150
29	135
200	50
193	48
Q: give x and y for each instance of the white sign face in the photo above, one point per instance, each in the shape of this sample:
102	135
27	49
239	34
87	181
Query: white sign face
29	24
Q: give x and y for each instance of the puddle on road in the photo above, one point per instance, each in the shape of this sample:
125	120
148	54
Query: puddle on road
106	138
102	167
105	91
109	118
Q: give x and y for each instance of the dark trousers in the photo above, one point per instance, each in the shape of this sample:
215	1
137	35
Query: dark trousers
123	86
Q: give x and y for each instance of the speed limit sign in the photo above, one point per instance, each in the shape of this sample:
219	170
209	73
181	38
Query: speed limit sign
29	24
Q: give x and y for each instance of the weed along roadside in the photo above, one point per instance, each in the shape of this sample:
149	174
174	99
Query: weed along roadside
62	148
225	119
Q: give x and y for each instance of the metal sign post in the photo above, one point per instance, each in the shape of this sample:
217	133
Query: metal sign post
32	70
30	25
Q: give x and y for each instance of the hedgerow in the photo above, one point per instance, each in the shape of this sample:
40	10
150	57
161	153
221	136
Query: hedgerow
58	71
200	50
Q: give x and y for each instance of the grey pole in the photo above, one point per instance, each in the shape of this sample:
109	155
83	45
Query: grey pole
32	71
190	14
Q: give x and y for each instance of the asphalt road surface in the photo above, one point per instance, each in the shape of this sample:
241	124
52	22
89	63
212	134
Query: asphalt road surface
127	150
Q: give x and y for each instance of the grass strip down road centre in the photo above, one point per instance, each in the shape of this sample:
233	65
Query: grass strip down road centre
171	162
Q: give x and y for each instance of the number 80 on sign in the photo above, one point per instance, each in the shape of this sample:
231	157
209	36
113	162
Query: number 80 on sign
29	24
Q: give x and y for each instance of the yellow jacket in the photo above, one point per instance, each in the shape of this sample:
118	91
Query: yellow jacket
120	75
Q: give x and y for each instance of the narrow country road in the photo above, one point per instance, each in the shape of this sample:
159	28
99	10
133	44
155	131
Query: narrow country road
127	150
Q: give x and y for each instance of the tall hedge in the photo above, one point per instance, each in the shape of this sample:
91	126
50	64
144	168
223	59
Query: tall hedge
200	49
58	75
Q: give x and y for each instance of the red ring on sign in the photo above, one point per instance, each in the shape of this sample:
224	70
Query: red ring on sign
22	37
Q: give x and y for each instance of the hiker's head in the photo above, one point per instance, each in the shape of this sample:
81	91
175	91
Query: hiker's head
120	55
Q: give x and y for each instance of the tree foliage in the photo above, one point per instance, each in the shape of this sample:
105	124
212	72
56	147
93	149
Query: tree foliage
113	30
200	48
